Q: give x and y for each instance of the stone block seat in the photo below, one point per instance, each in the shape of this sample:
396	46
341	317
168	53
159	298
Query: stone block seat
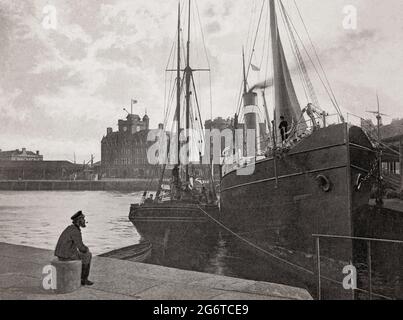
68	275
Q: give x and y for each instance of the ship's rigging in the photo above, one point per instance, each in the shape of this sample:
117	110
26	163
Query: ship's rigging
182	106
268	12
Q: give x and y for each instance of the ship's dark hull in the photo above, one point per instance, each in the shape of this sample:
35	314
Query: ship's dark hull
279	213
181	233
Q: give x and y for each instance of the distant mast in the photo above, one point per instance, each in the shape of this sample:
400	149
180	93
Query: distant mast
178	83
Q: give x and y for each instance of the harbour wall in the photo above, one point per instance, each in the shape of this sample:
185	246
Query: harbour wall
131	185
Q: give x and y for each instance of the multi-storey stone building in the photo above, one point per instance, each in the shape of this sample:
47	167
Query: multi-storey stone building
124	152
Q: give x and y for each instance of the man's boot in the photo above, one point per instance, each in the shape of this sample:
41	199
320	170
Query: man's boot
85	272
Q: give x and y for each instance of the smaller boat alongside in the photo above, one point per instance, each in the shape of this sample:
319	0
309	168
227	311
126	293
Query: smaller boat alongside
136	253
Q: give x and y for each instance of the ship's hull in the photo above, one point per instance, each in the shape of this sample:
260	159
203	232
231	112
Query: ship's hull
308	190
181	233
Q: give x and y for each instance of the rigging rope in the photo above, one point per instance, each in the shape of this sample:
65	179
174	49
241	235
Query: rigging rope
208	62
298	58
251	55
254	245
328	91
288	22
318	59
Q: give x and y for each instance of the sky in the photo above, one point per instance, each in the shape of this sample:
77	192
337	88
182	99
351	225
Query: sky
62	86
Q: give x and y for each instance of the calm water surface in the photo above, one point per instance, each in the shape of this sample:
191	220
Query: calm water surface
37	218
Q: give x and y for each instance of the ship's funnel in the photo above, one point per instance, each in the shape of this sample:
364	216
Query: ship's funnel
250	110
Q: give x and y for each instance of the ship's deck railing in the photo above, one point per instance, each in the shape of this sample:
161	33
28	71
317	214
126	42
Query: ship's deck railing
369	242
305	128
365	124
302	129
355	120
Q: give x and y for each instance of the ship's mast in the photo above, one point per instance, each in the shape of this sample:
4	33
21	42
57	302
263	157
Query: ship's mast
245	81
188	76
188	81
178	82
286	101
274	44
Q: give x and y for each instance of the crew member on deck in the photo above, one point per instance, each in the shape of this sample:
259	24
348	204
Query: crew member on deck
150	199
70	247
175	182
204	197
175	175
310	111
283	129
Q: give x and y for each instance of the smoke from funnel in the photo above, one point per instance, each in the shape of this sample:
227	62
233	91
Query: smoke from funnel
268	83
262	85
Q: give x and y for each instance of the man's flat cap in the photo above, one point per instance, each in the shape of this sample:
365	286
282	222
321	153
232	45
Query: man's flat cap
79	214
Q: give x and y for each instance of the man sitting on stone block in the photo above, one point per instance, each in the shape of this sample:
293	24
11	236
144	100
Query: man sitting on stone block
70	247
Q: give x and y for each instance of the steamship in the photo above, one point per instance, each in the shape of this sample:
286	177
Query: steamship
314	182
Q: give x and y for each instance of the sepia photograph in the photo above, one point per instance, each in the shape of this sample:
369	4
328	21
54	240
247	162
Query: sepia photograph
201	150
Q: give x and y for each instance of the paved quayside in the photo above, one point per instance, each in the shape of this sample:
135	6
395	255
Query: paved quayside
21	278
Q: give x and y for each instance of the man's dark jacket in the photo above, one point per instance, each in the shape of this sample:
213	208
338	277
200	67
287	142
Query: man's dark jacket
70	242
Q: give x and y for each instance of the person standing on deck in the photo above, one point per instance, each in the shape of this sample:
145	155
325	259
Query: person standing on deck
283	129
175	175
176	182
70	247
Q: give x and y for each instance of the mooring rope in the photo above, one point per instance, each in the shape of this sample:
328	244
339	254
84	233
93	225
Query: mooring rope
255	246
283	260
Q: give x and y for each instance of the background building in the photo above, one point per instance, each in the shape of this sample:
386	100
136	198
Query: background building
20	155
39	170
124	153
27	165
392	162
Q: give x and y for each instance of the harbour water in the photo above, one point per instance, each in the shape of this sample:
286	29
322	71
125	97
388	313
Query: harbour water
37	218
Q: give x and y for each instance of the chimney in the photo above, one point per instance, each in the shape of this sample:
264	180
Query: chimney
24	149
121	124
109	131
37	152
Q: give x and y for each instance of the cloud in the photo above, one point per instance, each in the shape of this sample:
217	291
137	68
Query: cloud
213	27
60	89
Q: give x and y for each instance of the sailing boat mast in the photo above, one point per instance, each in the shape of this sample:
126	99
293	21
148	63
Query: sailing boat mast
178	82
188	75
